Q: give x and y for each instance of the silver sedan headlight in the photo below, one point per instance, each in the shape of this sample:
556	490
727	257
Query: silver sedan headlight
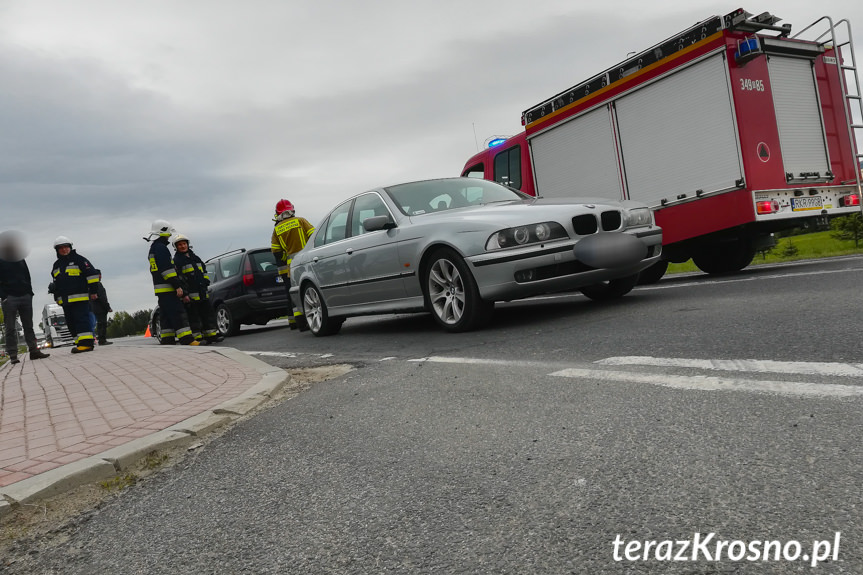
525	235
637	217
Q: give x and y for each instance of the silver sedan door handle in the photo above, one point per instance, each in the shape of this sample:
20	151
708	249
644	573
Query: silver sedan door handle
349	251
315	259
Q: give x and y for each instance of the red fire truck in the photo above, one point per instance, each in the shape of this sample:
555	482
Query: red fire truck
731	130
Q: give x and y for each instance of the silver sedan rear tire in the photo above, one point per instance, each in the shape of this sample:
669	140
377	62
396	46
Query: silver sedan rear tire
317	317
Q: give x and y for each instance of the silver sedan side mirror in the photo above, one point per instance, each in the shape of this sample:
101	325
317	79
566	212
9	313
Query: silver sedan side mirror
376	223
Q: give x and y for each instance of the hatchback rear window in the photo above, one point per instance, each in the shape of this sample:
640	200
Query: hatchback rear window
263	261
229	266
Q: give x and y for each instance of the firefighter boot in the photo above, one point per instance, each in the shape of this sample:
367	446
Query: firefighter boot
13	359
39	355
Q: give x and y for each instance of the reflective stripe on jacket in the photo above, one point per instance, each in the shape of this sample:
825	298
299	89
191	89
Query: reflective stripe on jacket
289	237
162	267
74	278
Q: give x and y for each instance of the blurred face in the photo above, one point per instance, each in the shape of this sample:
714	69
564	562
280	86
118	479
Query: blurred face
64	250
13	246
182	246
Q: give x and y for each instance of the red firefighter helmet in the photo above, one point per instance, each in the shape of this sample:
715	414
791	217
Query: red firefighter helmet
284	206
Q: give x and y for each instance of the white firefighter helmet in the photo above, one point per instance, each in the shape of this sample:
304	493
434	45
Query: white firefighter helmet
161	228
180	238
62	241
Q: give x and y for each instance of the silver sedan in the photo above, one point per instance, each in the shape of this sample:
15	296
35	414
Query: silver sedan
455	246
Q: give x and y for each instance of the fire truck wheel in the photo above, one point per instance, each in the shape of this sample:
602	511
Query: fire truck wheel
725	257
653	274
452	295
611	289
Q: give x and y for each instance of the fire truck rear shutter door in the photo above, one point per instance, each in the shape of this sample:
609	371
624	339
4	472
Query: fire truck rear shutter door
801	133
578	158
678	134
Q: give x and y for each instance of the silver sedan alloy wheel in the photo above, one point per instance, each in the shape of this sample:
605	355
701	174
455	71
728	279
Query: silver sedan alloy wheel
446	291
313	309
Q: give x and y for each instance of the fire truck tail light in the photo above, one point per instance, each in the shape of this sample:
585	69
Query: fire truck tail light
852	200
767	207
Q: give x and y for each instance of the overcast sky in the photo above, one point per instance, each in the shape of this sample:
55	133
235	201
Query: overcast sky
114	113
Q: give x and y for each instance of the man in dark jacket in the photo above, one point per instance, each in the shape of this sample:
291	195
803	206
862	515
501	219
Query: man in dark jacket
75	284
168	287
101	308
16	295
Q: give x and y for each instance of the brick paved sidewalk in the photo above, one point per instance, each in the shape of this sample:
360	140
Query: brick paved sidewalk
69	407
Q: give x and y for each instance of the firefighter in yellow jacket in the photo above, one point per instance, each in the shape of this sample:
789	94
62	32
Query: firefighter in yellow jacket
290	235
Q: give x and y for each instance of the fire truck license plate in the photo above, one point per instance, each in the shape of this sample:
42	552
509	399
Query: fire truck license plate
807	203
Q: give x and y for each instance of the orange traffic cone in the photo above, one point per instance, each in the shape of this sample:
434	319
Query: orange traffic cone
147	333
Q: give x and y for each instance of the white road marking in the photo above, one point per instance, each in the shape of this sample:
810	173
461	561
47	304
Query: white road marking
746	279
478	361
745	365
698	382
709	383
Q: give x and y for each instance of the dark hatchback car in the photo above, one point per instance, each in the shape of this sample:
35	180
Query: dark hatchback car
245	288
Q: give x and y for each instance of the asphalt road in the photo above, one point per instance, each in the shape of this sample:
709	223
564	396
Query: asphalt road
728	406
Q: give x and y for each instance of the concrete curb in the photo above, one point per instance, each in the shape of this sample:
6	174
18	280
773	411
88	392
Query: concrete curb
108	463
58	480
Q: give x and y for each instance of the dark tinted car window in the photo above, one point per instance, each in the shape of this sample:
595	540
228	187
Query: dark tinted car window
229	266
263	261
507	167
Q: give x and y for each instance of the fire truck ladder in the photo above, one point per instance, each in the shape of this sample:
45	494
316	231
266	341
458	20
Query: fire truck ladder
839	36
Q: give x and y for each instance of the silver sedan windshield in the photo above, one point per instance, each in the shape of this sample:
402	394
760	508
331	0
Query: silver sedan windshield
438	195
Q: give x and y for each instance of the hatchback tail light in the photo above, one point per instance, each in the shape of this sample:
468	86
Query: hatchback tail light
248	275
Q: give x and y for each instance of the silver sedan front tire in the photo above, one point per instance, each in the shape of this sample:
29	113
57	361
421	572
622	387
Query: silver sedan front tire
452	294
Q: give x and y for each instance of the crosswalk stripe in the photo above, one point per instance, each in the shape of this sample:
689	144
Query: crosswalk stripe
711	383
745	365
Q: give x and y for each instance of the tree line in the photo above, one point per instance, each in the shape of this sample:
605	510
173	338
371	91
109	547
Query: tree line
120	324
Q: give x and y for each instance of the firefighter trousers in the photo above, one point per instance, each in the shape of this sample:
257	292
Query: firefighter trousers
173	320
202	320
78	321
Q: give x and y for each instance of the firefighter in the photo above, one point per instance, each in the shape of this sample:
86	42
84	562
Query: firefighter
290	235
168	287
193	274
100	307
75	283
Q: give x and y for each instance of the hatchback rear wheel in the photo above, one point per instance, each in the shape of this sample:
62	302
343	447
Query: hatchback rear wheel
225	322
